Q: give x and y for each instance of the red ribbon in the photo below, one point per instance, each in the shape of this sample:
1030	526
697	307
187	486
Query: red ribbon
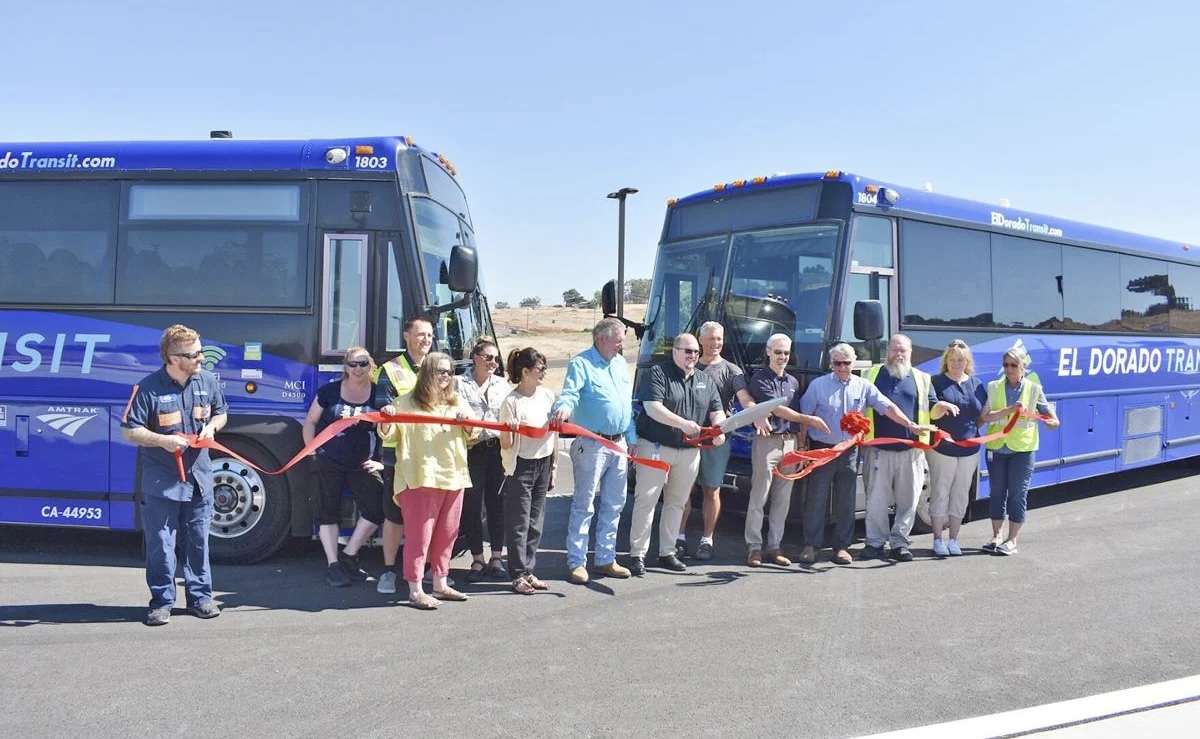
857	425
333	429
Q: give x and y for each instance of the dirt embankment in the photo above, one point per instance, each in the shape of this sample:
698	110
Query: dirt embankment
558	333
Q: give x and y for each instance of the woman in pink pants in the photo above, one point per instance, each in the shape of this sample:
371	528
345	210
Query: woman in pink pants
431	472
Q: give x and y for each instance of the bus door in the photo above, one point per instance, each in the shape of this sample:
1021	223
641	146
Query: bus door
871	276
343	308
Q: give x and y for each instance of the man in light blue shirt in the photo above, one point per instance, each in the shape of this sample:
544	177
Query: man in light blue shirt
830	397
597	395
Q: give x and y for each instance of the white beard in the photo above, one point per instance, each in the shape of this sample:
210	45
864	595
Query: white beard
899	370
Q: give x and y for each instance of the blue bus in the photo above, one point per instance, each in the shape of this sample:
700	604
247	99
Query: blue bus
282	254
1111	320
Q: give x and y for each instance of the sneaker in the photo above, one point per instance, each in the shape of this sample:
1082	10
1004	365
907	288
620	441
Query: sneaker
579	575
704	552
612	569
353	569
637	566
870	552
991	545
1006	549
336	576
387	582
207	609
681	551
953	548
940	549
671	562
158	617
901	554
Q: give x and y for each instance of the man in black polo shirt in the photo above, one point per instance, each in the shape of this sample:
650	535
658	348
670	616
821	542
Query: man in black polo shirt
180	398
676	401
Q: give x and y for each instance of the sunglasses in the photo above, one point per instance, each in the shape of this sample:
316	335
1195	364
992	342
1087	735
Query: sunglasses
781	352
689	352
957	344
841	363
442	372
359	363
1011	364
540	368
489	357
188	355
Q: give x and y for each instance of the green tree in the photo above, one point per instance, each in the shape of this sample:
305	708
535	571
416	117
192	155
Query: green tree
572	298
637	291
501	305
530	302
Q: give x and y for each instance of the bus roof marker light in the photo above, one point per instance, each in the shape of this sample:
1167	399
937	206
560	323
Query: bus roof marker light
739	183
672	201
719	186
364	150
833	174
759	180
336	155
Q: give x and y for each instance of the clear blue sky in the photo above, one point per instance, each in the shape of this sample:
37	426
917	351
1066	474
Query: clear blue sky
1082	110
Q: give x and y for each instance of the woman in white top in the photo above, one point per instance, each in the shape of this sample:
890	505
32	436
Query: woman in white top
529	465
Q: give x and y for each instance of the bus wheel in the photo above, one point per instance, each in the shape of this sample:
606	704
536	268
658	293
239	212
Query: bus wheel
251	511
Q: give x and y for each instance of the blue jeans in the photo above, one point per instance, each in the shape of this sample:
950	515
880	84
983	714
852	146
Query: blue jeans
597	469
1008	478
162	521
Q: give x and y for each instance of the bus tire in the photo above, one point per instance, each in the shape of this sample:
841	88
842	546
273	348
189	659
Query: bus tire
923	524
252	510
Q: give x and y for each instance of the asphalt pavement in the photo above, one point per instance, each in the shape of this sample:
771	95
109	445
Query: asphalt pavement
1101	598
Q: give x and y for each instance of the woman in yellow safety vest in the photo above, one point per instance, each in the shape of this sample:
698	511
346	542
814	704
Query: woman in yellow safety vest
1010	458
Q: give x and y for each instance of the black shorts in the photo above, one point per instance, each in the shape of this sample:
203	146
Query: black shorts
391	510
366	487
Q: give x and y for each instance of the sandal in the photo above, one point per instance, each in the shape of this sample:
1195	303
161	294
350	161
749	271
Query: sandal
477	571
496	569
523	586
449	593
422	602
535	583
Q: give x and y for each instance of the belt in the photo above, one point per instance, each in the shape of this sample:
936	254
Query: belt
485	444
610	437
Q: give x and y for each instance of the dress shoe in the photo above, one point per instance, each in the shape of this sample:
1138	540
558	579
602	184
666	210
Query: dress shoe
776	557
755	558
870	552
808	556
612	569
671	562
579	575
637	566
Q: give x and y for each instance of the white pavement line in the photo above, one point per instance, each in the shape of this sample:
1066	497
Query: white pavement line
1058	715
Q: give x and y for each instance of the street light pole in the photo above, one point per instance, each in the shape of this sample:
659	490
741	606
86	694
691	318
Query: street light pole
620	196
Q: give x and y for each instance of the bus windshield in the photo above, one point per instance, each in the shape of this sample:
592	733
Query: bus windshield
756	283
438	232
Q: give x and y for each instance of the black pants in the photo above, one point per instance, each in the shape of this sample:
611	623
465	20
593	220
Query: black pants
487	474
839	478
525	511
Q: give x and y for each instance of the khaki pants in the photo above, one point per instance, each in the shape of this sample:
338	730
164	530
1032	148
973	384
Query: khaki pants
685	464
898	476
765	454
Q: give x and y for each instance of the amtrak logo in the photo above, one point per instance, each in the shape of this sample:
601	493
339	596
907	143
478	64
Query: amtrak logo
68	420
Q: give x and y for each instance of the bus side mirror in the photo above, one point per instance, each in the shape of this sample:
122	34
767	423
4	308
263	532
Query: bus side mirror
608	298
464	270
868	320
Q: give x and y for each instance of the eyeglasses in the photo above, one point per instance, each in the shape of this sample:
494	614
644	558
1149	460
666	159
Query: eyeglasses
489	357
1011	364
841	363
957	344
781	352
442	372
187	355
687	351
359	363
540	368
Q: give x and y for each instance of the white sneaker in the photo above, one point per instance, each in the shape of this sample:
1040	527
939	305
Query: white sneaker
953	548
386	583
939	548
